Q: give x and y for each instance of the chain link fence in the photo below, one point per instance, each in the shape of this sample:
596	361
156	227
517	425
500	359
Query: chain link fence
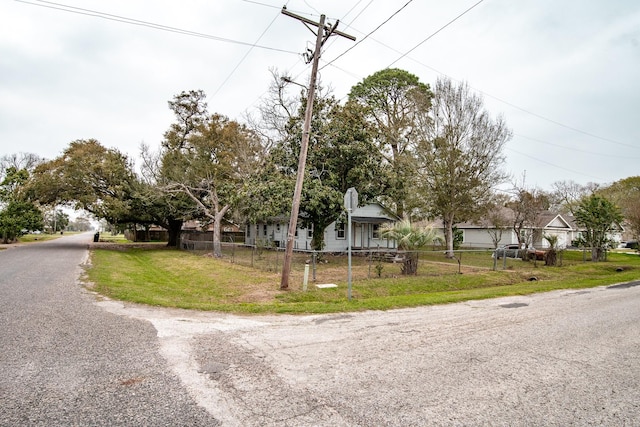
332	267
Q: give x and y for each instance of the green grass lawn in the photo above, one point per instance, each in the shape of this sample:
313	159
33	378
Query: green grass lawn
172	278
30	238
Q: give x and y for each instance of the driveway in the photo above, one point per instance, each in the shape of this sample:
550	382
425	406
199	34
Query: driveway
555	359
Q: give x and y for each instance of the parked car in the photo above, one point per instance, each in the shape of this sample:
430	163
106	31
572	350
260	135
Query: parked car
513	251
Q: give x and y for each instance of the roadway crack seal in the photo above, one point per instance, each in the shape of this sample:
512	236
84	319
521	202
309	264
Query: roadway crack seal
514	305
625	285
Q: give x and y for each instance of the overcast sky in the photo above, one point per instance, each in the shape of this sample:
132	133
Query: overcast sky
565	74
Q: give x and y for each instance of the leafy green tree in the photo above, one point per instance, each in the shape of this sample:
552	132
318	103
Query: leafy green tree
18	212
410	238
13	185
88	176
17	216
80	224
598	217
460	156
207	158
625	193
342	154
394	101
56	220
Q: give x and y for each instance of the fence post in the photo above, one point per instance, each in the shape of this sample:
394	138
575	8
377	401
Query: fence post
313	261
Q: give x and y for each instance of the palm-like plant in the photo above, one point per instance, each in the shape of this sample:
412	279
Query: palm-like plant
410	238
551	257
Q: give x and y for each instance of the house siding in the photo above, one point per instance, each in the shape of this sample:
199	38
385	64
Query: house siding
366	218
480	238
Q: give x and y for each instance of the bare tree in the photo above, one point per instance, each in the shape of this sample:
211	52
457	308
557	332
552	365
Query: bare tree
496	222
27	161
566	195
527	206
460	156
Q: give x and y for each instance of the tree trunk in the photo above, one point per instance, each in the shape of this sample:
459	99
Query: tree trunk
217	225
174	227
448	236
551	258
596	254
410	264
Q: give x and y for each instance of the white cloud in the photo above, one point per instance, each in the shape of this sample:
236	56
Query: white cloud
65	76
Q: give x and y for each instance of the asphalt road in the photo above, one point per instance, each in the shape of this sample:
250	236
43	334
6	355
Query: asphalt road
66	362
567	358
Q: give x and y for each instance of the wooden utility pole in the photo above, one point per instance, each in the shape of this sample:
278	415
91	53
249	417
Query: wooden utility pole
323	33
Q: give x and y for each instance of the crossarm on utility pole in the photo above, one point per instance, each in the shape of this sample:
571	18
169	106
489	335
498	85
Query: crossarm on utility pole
295	206
317	24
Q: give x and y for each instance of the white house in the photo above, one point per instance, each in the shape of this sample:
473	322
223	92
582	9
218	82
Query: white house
482	234
365	231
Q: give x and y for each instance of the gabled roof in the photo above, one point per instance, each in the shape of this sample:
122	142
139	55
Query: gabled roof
373	213
545	220
553	220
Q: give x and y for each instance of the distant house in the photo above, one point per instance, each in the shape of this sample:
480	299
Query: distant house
617	235
483	233
194	230
365	230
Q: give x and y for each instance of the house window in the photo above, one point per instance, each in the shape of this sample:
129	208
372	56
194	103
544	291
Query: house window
278	227
340	234
375	231
310	232
264	229
248	232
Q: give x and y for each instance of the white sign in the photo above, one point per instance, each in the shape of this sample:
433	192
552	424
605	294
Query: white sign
351	199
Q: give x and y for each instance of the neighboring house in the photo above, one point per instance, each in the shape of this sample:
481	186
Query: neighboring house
618	235
481	234
365	231
148	234
193	230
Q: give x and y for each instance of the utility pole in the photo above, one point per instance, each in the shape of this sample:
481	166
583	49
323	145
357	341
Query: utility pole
322	34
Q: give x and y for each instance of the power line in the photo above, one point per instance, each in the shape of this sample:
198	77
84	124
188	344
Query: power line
574	149
554	165
131	21
365	37
246	54
433	34
539	116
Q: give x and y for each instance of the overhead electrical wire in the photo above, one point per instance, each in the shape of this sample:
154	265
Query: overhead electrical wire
367	36
131	21
405	54
554	165
575	149
433	34
246	54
